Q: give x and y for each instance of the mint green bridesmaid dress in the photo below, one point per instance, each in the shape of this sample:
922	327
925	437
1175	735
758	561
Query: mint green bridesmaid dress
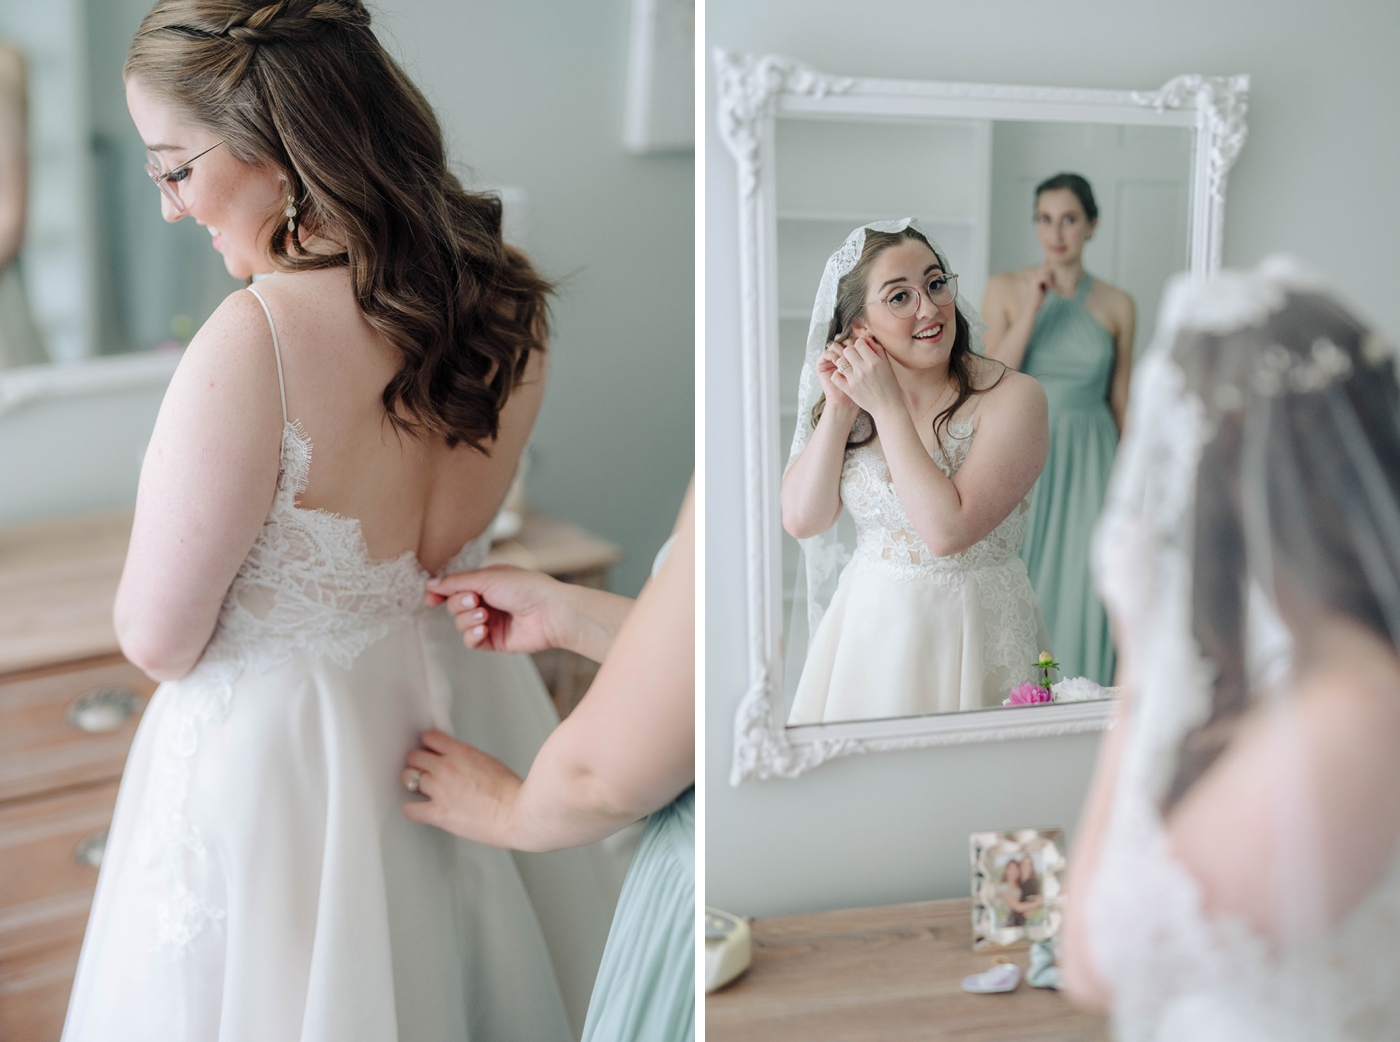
645	991
1071	355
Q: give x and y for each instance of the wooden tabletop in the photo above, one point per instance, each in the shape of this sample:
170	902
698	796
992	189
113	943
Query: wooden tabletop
58	579
883	973
57	583
556	547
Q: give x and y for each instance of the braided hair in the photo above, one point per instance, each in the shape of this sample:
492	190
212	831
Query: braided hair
304	85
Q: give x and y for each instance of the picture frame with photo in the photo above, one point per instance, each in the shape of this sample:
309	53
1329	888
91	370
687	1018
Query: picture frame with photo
1017	886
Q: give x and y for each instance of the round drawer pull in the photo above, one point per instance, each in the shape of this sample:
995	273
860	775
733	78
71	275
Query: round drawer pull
103	709
90	849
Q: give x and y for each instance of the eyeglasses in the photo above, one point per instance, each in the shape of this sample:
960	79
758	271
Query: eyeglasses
904	301
166	180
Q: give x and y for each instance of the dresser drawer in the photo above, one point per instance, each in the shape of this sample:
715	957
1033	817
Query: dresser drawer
35	984
68	726
49	848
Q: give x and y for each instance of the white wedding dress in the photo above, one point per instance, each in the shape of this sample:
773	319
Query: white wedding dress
260	881
907	632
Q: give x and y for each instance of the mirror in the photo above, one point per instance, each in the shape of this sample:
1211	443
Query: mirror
94	234
819	156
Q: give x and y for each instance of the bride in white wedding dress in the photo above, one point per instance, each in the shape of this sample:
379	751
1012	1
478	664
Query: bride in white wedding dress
332	438
1236	873
931	449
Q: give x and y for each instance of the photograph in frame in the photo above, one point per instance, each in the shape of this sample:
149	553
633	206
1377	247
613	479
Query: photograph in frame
1017	886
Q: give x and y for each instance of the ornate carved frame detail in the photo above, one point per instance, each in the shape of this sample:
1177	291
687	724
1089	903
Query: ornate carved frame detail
753	91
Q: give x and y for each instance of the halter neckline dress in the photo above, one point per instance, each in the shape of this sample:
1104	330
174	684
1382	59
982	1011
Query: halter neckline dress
1072	356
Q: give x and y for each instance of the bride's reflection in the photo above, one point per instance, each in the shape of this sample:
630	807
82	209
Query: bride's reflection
932	450
19	340
1074	334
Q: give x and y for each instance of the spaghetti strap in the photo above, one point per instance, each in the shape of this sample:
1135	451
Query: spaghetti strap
277	351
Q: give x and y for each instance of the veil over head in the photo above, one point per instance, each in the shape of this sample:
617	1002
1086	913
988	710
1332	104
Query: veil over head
1255	500
821	557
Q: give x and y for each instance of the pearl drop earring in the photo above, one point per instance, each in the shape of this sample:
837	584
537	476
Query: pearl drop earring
291	213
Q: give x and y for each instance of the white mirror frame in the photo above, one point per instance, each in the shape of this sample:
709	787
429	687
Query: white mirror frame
752	92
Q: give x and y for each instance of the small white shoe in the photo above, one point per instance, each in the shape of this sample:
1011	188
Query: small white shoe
1004	976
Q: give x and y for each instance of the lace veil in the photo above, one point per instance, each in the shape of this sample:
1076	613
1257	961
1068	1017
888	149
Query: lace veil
1254	509
821	557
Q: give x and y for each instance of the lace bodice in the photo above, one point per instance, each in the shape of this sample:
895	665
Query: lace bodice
309	583
885	537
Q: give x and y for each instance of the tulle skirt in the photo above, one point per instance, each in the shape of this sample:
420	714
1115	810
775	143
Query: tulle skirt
304	905
891	646
646	985
1065	506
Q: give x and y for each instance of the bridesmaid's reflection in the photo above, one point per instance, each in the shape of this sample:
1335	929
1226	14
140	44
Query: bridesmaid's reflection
1073	333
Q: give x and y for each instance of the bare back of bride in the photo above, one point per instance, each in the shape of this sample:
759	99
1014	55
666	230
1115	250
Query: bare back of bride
334	436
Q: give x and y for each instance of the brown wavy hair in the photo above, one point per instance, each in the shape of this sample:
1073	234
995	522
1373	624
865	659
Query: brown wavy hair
850	301
305	86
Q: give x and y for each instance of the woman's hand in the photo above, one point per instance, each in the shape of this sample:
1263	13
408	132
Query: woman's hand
504	608
469	793
1038	283
864	374
836	399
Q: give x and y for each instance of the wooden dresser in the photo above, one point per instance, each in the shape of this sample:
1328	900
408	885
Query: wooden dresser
69	705
883	973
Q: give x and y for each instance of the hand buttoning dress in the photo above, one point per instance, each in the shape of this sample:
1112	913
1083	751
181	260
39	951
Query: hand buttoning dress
260	881
1072	356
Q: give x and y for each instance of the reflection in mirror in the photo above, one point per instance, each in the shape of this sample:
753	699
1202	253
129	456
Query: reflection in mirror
19	339
940	641
99	271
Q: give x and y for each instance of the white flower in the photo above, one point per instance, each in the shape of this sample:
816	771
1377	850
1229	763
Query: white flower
1078	689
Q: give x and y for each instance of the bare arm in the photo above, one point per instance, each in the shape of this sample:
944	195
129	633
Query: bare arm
1013	439
1009	307
628	749
207	481
14	154
1343	731
1081	979
1122	362
811	491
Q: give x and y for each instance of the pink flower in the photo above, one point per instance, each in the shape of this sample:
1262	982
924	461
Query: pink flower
1029	694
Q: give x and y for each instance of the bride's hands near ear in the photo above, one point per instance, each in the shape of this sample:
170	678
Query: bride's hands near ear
836	398
865	375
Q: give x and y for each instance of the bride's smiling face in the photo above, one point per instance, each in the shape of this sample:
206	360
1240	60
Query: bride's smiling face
236	202
925	338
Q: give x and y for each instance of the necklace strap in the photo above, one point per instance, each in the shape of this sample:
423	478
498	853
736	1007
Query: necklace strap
935	402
